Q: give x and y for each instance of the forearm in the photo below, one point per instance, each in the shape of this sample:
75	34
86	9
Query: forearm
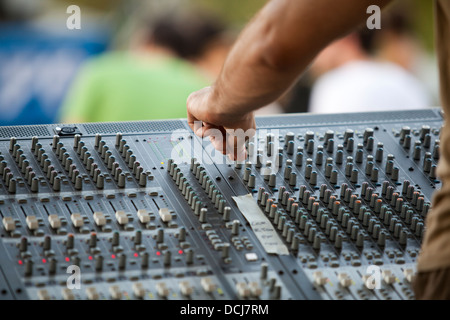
269	55
277	46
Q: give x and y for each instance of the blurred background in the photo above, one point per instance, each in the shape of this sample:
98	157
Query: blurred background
140	59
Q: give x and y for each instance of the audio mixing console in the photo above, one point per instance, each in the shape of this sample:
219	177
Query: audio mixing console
325	207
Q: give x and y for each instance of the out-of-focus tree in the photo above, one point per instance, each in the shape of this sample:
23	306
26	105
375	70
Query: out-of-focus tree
423	22
234	12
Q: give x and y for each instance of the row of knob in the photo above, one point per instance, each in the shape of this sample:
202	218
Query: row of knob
424	138
424	141
331	173
387	215
372	223
93	249
63	156
138	288
24	166
57	222
86	159
368	279
370	170
134	165
244	289
69	242
190	195
328	137
395	203
200	210
286	226
110	162
166	256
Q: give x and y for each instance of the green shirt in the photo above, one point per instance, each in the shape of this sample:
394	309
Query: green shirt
126	87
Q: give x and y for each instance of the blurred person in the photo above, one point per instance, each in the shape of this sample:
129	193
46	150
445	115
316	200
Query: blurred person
265	62
393	43
396	43
151	81
349	79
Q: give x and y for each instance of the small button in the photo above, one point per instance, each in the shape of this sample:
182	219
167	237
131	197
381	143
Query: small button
185	288
143	215
9	224
121	217
251	256
368	282
378	262
319	279
388	277
92	293
165	215
356	263
162	289
334	264
67	130
115	292
32	222
99	218
408	273
43	294
54	221
67	294
344	279
138	290
77	220
242	290
255	289
207	285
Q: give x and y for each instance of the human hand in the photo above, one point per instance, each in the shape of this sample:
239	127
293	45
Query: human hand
226	129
